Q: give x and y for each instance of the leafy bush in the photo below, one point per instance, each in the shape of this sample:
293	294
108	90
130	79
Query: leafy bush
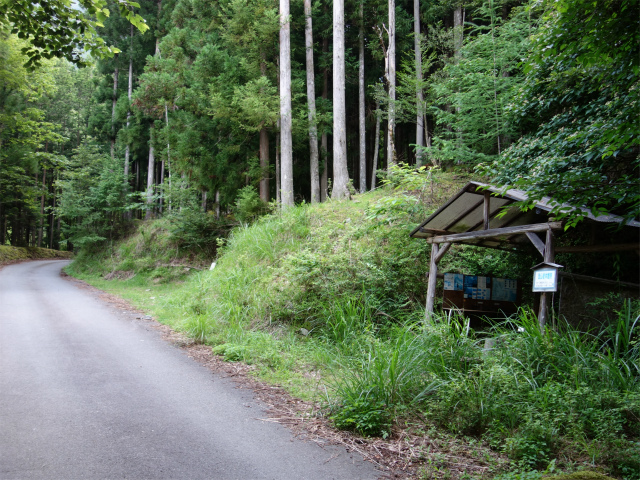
366	417
249	205
196	231
230	352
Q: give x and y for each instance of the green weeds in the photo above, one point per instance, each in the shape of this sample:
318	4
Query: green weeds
535	396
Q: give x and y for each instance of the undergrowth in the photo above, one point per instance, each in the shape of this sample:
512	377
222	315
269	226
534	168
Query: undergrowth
326	301
9	254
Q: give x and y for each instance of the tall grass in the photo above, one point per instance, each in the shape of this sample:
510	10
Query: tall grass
533	395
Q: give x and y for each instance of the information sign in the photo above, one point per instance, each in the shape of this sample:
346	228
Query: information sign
545	280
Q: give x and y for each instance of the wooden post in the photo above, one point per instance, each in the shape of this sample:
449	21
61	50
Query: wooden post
433	277
549	256
486	209
437	252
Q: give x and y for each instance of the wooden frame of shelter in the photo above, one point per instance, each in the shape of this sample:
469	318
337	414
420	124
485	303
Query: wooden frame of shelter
471	217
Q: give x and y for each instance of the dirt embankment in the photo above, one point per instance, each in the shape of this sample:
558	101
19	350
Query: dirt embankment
9	254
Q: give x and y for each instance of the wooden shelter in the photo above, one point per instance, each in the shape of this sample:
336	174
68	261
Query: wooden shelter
486	216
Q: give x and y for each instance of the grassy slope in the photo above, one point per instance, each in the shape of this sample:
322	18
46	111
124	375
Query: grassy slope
9	254
316	298
279	272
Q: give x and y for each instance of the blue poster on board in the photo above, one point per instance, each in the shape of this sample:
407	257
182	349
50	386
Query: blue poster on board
504	290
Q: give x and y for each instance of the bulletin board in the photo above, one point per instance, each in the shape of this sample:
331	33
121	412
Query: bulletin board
477	293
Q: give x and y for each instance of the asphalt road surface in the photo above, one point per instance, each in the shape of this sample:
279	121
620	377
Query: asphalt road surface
88	393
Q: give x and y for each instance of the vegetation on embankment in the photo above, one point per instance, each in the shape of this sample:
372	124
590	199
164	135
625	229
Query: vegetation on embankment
9	254
326	300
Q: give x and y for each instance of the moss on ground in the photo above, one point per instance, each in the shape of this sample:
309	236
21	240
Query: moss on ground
580	476
9	254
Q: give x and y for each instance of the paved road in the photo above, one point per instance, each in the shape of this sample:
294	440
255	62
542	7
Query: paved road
87	393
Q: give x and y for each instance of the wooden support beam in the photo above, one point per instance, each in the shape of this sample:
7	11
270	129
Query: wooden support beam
443	249
598	248
495	212
495	232
437	252
604	281
435	231
549	257
486	209
549	251
433	277
535	239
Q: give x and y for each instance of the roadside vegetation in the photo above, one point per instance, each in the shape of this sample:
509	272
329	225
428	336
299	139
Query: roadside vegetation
327	301
9	254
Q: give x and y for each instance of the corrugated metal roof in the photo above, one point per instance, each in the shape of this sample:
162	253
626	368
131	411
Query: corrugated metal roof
464	212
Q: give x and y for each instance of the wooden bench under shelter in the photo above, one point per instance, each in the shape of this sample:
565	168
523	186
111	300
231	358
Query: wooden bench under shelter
488	216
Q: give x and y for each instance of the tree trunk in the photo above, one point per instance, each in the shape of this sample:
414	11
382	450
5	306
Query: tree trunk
137	165
311	102
286	145
419	93
458	30
340	172
217	204
204	201
52	217
361	105
166	119
324	144
129	92
264	165
113	107
376	148
278	192
264	147
161	184
41	226
391	78
150	172
3	225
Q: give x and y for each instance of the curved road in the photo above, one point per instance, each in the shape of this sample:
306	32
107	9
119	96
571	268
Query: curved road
88	393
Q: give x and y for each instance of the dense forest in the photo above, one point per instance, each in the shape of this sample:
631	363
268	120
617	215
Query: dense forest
116	110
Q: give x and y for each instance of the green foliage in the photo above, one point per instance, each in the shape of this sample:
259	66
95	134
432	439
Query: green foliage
576	109
249	205
197	327
75	29
531	396
195	231
495	263
472	90
230	352
413	193
92	199
363	416
347	321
